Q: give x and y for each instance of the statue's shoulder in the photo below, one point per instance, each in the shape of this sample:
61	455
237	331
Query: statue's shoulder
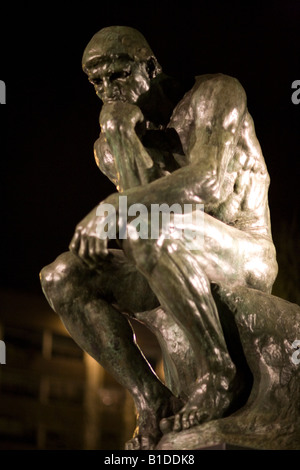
211	96
216	80
216	87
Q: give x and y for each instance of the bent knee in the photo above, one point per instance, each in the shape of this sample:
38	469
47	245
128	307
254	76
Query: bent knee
261	271
58	279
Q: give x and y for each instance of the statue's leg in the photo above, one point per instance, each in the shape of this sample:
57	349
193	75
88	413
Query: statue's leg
83	298
183	290
181	281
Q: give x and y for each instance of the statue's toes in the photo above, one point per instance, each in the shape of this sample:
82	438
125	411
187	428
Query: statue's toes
147	443
189	419
184	420
177	423
141	442
133	444
193	419
177	426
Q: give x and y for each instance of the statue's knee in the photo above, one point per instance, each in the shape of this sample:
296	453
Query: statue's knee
55	279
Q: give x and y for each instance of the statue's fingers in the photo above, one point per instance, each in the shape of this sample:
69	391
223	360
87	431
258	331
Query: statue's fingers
89	255
101	250
75	242
97	252
83	250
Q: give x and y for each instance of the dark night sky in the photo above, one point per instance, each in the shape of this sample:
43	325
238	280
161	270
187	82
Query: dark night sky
50	121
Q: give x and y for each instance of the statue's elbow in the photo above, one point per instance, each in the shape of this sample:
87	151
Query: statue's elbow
265	267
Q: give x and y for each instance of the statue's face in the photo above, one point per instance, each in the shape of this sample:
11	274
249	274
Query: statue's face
119	79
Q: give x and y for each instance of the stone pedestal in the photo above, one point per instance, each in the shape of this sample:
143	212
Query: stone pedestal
270	418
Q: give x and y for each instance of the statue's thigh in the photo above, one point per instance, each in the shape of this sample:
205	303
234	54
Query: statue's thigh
114	279
231	256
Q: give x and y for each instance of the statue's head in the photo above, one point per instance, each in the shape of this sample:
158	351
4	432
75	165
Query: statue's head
120	64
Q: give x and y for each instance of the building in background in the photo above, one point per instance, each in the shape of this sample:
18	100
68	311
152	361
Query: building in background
52	394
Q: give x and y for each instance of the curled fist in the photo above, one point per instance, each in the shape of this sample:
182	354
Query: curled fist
119	116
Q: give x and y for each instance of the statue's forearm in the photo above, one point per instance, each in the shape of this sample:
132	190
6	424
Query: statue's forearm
132	161
197	183
183	186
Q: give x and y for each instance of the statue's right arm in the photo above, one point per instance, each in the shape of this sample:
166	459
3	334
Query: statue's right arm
215	112
105	160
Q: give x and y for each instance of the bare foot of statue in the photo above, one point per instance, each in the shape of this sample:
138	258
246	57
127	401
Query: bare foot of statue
209	400
147	433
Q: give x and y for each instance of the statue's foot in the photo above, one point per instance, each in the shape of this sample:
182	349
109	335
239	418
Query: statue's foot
148	433
143	440
209	400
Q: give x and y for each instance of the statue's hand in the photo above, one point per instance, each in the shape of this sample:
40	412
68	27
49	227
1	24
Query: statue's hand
119	117
90	241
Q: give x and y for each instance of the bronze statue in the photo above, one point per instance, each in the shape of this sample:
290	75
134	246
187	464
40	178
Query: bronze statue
162	147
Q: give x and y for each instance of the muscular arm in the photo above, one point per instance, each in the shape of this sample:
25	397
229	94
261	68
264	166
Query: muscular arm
208	122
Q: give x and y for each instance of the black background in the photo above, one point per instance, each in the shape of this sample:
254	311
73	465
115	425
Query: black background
50	122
